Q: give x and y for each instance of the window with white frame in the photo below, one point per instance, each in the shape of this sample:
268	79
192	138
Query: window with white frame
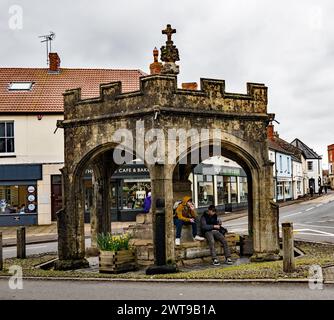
280	164
20	86
299	187
7	137
310	165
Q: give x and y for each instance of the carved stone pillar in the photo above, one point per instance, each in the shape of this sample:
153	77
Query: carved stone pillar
162	187
265	220
71	233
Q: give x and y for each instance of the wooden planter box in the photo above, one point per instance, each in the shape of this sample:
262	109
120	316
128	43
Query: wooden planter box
117	261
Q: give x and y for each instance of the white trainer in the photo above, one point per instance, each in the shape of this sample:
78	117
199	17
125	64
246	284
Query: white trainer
177	241
198	238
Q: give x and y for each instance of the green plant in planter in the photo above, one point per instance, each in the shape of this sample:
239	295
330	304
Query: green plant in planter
109	242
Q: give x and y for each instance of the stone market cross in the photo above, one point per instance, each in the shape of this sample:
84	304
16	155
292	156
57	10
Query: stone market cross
90	125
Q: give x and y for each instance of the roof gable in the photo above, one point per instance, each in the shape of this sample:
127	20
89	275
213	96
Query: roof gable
307	151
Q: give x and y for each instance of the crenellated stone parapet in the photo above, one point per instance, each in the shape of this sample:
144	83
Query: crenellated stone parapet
162	92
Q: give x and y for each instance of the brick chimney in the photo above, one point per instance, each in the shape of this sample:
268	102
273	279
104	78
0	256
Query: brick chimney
189	85
270	131
155	67
54	62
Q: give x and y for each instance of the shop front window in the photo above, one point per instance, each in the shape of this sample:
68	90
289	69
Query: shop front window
279	190
205	190
287	190
243	189
234	190
88	187
134	193
18	199
220	190
228	189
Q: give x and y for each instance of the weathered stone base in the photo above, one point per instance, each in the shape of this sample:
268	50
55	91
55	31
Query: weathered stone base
143	228
71	264
188	253
261	257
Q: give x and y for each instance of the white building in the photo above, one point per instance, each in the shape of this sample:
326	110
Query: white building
297	178
31	152
287	168
282	171
312	166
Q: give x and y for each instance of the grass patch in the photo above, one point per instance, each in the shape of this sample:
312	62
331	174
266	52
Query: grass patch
320	254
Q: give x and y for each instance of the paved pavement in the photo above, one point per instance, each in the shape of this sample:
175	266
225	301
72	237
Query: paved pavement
10	252
101	290
48	233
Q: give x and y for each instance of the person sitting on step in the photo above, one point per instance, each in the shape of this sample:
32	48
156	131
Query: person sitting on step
213	230
185	214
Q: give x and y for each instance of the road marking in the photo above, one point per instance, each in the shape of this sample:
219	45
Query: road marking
36	247
238	230
309	209
315	232
292	214
321	221
319	205
314	226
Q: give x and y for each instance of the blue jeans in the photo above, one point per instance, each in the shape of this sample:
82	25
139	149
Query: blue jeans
179	224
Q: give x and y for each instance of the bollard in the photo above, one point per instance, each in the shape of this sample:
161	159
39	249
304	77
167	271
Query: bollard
1	252
21	243
288	247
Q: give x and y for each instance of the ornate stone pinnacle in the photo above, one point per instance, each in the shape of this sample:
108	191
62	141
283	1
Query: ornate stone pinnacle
169	31
169	52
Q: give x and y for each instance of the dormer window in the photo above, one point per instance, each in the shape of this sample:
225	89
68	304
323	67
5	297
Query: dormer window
20	86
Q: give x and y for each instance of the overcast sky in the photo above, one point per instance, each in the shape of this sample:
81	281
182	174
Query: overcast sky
288	45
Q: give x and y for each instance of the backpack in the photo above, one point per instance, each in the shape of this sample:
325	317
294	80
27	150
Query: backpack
176	204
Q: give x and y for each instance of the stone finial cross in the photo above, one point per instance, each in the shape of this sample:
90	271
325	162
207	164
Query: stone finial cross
169	31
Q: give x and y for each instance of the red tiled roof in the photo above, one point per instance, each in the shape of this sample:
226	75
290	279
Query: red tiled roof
46	94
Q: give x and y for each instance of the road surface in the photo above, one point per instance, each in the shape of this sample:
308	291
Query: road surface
312	220
98	290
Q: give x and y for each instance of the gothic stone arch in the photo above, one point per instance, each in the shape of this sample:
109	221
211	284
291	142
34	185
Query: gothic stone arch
89	127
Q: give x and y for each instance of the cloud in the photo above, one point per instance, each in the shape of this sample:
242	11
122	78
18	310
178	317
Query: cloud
286	45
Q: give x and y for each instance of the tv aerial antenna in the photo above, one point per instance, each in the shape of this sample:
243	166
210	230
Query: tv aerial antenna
48	39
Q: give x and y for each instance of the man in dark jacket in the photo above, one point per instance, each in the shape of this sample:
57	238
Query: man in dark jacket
213	230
